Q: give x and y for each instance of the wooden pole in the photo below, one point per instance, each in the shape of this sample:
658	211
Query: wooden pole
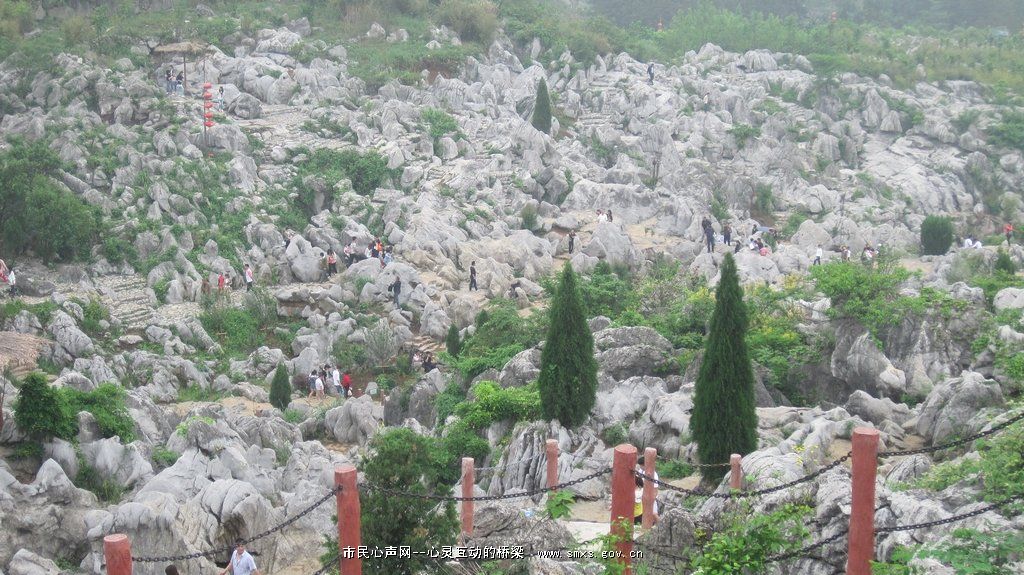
735	471
467	491
862	509
623	499
349	531
650	489
551	448
117	553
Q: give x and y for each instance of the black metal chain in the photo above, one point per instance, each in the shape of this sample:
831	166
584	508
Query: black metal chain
326	567
952	519
957	443
531	493
805	550
271	531
745	494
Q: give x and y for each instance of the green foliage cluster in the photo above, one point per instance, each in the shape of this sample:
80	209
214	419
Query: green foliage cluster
743	133
439	122
969	552
280	388
558	28
473	20
673	469
241	330
164	457
749	539
936	235
366	170
35	214
541	118
559	504
1009	132
724	419
43	310
568	370
107	490
529	216
452	342
43	412
404	460
871	295
500	334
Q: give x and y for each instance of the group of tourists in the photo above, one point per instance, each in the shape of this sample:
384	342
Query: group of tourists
319	378
174	84
375	250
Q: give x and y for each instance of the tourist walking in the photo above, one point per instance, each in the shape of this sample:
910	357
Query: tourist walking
248	278
241	562
817	256
221	282
727	234
12	281
396	288
572	240
1008	230
346	384
472	277
332	263
650	73
336	380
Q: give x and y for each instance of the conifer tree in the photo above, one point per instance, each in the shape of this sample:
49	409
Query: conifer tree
452	342
568	370
280	388
724	419
542	109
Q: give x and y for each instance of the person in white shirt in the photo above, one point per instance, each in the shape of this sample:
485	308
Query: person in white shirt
241	562
12	281
248	278
969	242
817	256
336	380
977	244
601	216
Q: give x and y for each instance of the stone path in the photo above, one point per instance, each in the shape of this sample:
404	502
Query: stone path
19	352
127	299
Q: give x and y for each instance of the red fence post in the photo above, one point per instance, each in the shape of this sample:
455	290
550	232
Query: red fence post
551	448
349	531
862	512
467	491
117	552
650	489
623	499
735	471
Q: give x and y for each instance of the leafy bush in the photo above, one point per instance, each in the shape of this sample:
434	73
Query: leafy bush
969	552
492	403
743	133
1004	264
615	435
936	235
280	388
440	123
542	108
529	216
559	504
108	490
604	292
673	469
117	250
381	344
106	403
1009	132
42	412
452	343
473	20
748	539
367	171
869	295
164	457
498	338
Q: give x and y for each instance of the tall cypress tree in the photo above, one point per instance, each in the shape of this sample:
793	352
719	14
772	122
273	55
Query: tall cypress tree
280	388
568	370
542	109
724	419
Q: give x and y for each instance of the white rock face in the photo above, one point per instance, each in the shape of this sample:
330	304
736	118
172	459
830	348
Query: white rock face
1009	298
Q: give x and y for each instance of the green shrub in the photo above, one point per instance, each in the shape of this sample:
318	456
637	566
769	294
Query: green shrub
42	412
529	216
118	250
936	235
452	342
440	123
1009	132
473	20
164	457
107	490
673	469
559	504
542	108
615	435
1004	264
743	133
280	388
237	330
749	539
106	403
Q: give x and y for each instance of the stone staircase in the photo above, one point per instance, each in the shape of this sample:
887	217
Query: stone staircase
426	343
127	298
19	353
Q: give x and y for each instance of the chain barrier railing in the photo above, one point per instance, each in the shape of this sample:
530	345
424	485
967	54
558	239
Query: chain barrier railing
803	551
200	554
530	493
953	519
328	566
994	430
745	494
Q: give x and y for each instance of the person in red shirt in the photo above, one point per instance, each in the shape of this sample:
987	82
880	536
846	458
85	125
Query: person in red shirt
1008	230
221	282
346	384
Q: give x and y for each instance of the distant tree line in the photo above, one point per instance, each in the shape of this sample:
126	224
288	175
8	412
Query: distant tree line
896	13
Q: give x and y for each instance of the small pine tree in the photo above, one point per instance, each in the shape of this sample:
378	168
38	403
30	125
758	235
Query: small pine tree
568	370
452	342
542	109
41	412
936	235
724	419
280	388
1004	264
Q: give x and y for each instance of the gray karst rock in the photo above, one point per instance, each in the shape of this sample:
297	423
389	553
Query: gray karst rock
1009	298
497	522
858	362
954	404
356	421
26	562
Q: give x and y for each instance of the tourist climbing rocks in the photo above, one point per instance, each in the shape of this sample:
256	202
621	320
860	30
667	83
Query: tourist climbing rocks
727	234
222	282
346	384
396	288
817	257
572	240
332	263
709	234
609	214
248	278
472	277
1008	230
336	380
650	73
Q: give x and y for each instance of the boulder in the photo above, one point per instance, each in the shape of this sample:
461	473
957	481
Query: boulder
858	361
1009	298
26	562
629	351
355	421
954	403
